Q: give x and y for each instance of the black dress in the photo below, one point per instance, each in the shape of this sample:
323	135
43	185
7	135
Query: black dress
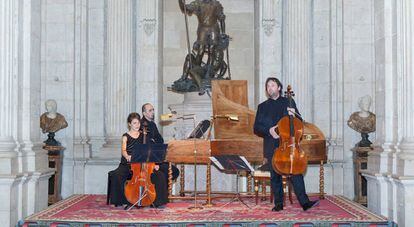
123	173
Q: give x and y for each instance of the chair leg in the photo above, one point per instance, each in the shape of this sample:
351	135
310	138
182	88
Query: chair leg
108	190
263	190
290	190
256	191
271	195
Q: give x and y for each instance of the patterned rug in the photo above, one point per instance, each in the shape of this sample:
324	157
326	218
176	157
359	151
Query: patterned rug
89	209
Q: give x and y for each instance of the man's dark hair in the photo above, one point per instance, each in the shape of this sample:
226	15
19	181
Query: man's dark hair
143	106
277	81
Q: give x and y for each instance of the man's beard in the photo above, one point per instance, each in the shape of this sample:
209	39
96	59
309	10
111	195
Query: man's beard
274	95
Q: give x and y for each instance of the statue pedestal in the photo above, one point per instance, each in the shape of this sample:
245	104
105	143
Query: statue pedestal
360	157
55	181
200	106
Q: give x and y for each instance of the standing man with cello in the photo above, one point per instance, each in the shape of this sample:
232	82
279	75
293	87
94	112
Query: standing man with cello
268	115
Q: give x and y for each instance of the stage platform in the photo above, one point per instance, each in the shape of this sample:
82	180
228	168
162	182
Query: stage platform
91	210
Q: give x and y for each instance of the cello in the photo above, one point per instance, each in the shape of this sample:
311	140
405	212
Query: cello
139	190
289	158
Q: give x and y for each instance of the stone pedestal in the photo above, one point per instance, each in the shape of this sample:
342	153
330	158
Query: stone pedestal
55	181
190	112
360	157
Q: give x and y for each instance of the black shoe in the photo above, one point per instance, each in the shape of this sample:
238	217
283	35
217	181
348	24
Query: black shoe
157	206
278	207
310	204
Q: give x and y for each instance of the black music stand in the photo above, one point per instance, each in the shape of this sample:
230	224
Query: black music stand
233	164
148	152
142	153
200	130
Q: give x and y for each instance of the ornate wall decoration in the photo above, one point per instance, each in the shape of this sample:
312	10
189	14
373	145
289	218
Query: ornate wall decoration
149	25
268	25
268	17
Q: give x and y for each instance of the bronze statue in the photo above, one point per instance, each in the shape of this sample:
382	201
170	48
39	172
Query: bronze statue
51	122
363	121
206	60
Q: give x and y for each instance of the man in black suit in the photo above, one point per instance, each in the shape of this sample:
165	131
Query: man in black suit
154	136
268	115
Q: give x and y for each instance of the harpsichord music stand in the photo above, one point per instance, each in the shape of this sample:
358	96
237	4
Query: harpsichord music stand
233	164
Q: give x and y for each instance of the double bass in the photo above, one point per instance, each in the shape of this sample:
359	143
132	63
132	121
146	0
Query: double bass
289	158
139	190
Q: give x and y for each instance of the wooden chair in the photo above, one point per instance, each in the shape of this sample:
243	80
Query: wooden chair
260	181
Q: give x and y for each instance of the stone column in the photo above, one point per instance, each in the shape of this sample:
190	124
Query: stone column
8	84
23	165
148	55
81	146
405	53
268	43
405	113
119	82
33	161
297	59
336	101
382	161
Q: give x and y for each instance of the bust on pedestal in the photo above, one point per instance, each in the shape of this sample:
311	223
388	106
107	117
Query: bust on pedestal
51	122
363	122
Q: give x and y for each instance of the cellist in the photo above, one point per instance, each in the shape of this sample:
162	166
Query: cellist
120	175
268	115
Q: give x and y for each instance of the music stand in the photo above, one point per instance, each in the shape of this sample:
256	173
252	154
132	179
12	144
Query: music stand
200	130
231	164
143	153
148	152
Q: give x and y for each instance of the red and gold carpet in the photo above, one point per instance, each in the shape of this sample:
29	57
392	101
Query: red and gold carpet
92	209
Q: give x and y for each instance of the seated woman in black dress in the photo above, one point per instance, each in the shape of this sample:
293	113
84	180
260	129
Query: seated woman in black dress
123	173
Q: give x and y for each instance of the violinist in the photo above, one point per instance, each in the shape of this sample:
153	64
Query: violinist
123	173
268	115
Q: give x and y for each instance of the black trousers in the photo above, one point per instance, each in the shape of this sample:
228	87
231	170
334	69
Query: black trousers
298	186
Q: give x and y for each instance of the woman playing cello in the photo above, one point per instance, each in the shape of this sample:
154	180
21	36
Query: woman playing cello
123	173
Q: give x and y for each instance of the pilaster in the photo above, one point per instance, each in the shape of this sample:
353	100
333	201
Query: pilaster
268	38
119	101
297	57
148	49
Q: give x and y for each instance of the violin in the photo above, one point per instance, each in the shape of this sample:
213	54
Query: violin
139	190
289	158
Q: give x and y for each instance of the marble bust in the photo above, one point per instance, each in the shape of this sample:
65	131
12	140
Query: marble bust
52	121
363	121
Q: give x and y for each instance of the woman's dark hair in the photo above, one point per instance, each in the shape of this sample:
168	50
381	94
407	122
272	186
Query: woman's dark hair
276	80
132	116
